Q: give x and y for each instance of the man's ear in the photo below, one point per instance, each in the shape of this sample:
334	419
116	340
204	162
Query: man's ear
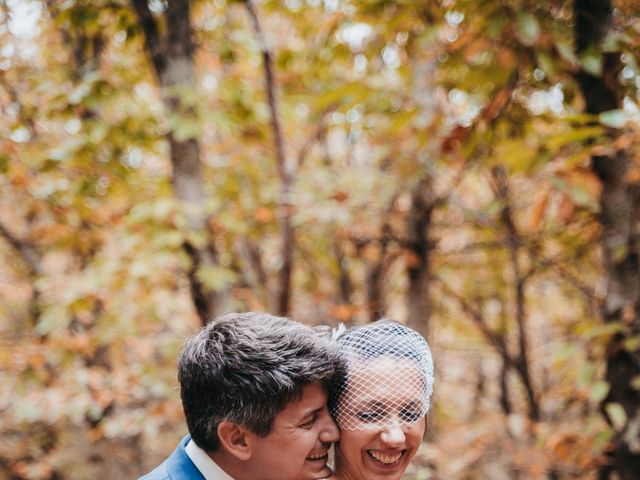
234	439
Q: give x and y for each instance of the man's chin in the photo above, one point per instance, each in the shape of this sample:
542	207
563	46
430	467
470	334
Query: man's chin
320	471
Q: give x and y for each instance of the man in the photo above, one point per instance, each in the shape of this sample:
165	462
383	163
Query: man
254	393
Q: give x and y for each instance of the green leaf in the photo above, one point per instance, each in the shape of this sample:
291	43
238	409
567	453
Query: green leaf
68	148
632	344
80	93
565	49
170	239
606	331
546	63
185	127
4	163
585	375
616	414
602	439
53	318
599	391
528	28
515	154
585	197
614	118
216	277
559	140
619	252
98	133
591	61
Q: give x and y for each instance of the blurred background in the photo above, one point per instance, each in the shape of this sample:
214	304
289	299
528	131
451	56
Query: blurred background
469	168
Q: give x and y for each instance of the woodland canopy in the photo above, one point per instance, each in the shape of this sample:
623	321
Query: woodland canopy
468	167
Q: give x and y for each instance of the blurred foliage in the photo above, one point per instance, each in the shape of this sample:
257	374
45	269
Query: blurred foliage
470	103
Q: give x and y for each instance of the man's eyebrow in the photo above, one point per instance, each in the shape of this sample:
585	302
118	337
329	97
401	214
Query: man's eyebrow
312	411
309	414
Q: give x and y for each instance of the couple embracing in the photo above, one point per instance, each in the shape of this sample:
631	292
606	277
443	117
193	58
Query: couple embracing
265	398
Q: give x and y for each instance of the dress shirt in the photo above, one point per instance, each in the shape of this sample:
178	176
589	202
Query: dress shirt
208	468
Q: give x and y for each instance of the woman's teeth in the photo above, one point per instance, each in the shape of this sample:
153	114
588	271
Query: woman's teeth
385	458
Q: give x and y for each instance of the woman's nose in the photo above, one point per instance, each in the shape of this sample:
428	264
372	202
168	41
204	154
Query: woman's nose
393	434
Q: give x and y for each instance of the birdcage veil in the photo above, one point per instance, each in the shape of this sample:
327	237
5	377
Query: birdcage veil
389	376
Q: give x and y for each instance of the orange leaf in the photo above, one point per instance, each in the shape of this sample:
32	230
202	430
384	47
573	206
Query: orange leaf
497	104
538	211
455	139
632	176
344	312
263	215
340	196
566	209
36	360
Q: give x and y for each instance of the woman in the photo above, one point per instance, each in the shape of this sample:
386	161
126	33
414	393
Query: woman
381	405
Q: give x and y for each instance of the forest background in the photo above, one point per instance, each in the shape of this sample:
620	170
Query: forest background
470	168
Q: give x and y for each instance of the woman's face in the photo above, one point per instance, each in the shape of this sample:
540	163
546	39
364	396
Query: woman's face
382	420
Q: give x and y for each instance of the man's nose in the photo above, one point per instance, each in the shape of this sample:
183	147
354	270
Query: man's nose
393	434
329	430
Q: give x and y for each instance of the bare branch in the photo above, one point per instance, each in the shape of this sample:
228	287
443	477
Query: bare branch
319	133
493	338
26	251
513	242
26	117
250	252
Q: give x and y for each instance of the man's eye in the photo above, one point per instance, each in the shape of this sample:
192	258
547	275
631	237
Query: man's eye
411	415
308	423
370	416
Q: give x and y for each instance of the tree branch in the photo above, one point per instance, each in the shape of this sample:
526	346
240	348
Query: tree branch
494	339
27	252
33	260
513	244
318	134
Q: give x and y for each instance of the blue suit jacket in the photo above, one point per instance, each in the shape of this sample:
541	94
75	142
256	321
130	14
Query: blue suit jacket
177	467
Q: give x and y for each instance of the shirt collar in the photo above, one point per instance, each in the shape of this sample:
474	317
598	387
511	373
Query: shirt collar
203	462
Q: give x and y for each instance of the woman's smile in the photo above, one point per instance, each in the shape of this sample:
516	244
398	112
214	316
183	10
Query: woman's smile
386	458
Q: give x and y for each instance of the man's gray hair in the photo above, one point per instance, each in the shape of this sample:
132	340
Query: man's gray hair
245	368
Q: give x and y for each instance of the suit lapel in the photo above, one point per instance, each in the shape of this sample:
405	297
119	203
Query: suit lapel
180	466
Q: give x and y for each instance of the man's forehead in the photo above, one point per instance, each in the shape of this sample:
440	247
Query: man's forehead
313	397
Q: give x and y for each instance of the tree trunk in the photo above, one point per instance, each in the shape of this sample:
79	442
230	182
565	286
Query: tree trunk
345	286
286	174
423	199
171	55
619	216
374	273
419	276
